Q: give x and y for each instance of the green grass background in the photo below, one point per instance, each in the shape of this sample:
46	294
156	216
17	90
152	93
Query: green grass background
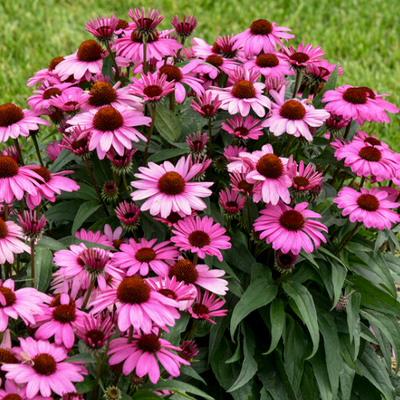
363	35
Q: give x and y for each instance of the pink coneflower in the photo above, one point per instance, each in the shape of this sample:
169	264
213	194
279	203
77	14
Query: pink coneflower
152	87
94	237
262	36
14	392
138	305
293	116
46	371
110	192
303	177
146	24
102	28
335	124
114	236
269	65
41	100
232	202
358	103
303	56
207	307
244	129
95	331
10	233
122	26
49	184
24	303
200	236
11	151
84	63
205	106
365	159
71	100
197	142
47	74
185	28
370	139
77	141
189	350
167	188
285	262
54	149
204	162
143	256
320	71
290	229
392	192
15	122
121	164
231	153
369	207
185	271
32	227
239	183
244	95
128	214
173	218
140	355
112	127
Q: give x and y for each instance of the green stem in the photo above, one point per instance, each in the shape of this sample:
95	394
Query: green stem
21	160
297	83
362	182
153	118
89	293
33	262
347	131
289	141
96	383
95	186
145	65
117	77
126	185
249	216
210	138
347	238
35	142
195	258
5	211
172	101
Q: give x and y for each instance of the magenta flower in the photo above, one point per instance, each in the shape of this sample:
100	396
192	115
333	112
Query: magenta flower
358	103
167	188
240	185
270	65
140	355
32	226
10	233
121	164
146	23
114	237
47	74
205	105
53	150
47	372
128	214
13	391
320	71
77	141
303	177
285	262
231	201
185	28
94	237
70	100
293	116
244	129
200	236
290	229
95	331
262	36
102	28
231	153
197	142
144	255
370	139
207	307
370	207
303	56
40	102
15	122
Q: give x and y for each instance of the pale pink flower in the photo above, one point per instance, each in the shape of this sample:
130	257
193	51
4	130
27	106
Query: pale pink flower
303	56
102	28
10	243
54	149
40	101
270	65
13	391
243	128
95	331
231	153
70	100
94	237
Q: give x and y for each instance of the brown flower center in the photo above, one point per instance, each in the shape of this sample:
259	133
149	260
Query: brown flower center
368	202
301	181
215	60
117	243
71	103
149	343
52	92
6	357
64	313
216	48
244	90
292	220
122	24
270	166
79	144
373	141
171	183
8	294
152	91
137	37
233	204
299	57
168	293
133	290
12	396
96	336
10	114
355	95
101	94
245	186
43	172
261	27
108	119
184	271
57	301
145	254
44	364
89	51
293	109
242	131
370	154
200	309
285	260
199	239
172	72
54	62
267	60
174	217
8	167
3	229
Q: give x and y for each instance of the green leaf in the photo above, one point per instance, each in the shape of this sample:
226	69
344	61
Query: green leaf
63	158
238	255
84	212
64	211
305	303
43	268
85	357
258	294
319	364
346	378
167	154
189	371
278	317
353	320
167	124
85	192
308	387
145	395
339	274
49	243
330	85
85	386
107	69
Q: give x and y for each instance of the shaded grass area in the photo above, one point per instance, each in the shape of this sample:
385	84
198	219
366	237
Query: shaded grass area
362	35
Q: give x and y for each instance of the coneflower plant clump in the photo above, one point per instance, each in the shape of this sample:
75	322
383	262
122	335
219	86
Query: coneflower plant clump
183	219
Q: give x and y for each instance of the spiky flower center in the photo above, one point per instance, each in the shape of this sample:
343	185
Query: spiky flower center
299	57
173	73
356	95
232	204
79	144
199	239
267	60
108	119
12	396
184	271
52	92
112	393
57	301
208	110
261	27
42	172
245	186
133	290
292	220
244	90
215	60
101	94
137	37
174	217
64	313
216	48
44	364
8	167
8	294
150	343
368	202
3	230
168	293
6	357
171	183
153	91
301	181
90	51
200	309
285	260
122	24
370	154
241	131
10	114
95	337
293	110
54	62
145	254
372	141
270	166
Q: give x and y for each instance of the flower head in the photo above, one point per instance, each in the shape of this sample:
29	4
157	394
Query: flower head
303	177
243	129
207	307
185	28
10	233
32	227
95	331
205	105
285	262
197	142
303	56
232	202
102	28
77	141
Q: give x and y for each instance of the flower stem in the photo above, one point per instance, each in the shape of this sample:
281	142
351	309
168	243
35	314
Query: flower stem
153	118
5	205
33	262
145	65
210	138
347	131
172	101
347	238
21	160
111	54
298	82
126	184
35	142
362	182
195	258
89	293
249	215
95	186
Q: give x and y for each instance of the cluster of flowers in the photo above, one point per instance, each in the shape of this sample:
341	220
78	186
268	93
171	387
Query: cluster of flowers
121	294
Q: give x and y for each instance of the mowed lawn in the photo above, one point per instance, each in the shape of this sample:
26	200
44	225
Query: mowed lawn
363	35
